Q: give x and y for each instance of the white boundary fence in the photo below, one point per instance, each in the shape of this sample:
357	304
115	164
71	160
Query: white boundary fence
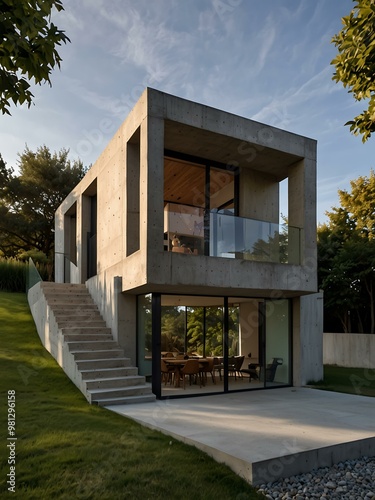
355	350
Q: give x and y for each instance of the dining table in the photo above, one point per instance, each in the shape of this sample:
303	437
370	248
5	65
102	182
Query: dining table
179	363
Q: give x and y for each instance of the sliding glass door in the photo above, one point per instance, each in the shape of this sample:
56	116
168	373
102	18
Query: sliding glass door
276	342
239	343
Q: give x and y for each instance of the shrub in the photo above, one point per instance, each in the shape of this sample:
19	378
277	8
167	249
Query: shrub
14	273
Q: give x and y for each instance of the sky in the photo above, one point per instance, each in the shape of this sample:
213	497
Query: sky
267	60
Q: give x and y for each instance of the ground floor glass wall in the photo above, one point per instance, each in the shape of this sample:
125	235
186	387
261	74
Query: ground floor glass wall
190	345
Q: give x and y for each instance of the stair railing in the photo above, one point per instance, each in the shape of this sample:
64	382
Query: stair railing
32	276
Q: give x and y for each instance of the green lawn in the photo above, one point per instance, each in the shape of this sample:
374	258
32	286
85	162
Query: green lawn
67	449
359	381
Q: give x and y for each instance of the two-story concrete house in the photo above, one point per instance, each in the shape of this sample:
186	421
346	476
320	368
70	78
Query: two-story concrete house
175	232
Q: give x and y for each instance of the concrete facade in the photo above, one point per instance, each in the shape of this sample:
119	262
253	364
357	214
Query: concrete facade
119	208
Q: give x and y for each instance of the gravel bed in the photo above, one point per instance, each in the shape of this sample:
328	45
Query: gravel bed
352	479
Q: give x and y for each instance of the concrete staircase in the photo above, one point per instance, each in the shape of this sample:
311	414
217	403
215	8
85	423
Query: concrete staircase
101	371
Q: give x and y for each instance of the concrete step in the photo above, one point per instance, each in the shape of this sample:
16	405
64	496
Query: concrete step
89	330
138	390
72	323
87	337
85	355
115	382
102	373
69	299
66	293
106	372
146	398
79	315
98	345
69	309
102	364
47	286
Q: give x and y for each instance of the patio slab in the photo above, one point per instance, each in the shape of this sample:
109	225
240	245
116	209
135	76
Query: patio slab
268	434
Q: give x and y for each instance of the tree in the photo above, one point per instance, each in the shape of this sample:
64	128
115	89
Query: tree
346	255
27	47
28	202
355	63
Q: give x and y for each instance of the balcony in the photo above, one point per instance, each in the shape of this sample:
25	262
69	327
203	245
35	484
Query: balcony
218	233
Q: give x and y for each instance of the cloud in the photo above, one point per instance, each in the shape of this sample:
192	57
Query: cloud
264	41
108	104
284	107
148	44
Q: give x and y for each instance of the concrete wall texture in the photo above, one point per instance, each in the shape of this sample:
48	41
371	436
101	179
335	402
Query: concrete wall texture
51	336
127	181
354	350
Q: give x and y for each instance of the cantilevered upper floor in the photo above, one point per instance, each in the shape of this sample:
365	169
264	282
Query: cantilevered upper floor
187	199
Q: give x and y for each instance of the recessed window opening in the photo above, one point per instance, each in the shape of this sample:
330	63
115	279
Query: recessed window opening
133	172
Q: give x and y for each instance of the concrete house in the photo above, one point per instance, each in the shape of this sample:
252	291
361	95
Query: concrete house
175	233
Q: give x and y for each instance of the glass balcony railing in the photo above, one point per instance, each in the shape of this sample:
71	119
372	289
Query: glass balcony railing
188	230
241	238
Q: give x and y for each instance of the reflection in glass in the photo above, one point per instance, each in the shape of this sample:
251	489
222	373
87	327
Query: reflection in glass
144	334
195	327
173	322
214	331
241	238
233	330
221	189
277	370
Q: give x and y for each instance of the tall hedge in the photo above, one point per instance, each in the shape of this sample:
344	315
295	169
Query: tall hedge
14	273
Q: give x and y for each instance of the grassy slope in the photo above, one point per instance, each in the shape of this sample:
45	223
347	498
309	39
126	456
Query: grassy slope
68	449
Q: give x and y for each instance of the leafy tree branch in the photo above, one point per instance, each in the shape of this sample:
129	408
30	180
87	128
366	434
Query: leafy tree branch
28	41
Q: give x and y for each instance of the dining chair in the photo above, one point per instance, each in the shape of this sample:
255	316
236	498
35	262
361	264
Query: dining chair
191	368
209	367
167	372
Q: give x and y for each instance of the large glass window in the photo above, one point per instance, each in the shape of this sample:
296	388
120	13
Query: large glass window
191	192
277	339
202	206
173	328
222	190
195	330
238	343
191	329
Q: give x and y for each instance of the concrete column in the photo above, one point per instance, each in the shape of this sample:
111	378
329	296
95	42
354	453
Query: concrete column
302	209
125	320
259	196
59	247
297	343
307	338
85	228
152	190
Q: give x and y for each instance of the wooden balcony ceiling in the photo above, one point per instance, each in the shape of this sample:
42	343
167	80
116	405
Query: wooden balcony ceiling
184	182
227	150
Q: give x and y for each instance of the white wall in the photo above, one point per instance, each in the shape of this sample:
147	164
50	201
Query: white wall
354	350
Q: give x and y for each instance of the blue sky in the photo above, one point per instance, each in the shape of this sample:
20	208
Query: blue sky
268	60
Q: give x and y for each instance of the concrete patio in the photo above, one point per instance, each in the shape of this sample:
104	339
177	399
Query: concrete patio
268	434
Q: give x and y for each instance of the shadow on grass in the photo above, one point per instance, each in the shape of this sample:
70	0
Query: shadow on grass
68	449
